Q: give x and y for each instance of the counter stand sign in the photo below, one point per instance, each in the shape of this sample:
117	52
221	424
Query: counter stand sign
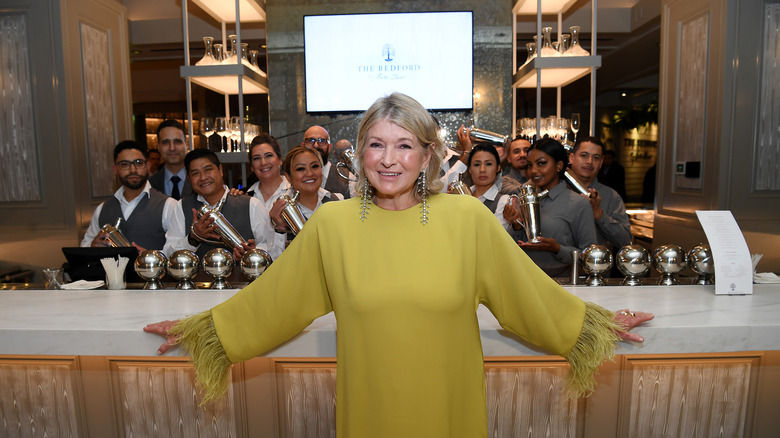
733	265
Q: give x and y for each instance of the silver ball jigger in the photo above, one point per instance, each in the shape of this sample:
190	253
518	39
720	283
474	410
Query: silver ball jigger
218	263
150	265
700	261
633	261
597	260
183	265
254	262
669	260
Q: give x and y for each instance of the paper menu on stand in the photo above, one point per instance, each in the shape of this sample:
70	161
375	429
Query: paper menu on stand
733	265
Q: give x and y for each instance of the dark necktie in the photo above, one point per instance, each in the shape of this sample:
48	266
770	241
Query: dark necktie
175	194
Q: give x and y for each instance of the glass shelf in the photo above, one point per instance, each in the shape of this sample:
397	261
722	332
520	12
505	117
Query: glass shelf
225	11
528	7
223	78
558	70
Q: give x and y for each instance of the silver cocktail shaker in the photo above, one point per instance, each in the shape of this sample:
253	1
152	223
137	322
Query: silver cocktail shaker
529	208
292	213
227	234
114	236
349	162
576	184
477	134
458	187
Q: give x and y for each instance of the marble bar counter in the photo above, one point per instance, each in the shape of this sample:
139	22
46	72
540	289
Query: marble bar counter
688	319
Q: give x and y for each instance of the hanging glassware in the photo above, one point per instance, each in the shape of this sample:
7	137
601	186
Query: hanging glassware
208	58
576	49
547	48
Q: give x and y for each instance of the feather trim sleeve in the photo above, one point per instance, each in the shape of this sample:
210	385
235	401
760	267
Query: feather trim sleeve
198	337
595	344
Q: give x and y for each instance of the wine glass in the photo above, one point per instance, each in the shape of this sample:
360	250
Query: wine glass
235	132
221	128
575	124
207	126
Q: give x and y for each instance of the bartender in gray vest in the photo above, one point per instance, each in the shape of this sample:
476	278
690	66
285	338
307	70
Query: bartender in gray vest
245	213
318	138
144	212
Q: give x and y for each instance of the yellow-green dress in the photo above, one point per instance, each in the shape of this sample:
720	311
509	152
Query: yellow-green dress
405	297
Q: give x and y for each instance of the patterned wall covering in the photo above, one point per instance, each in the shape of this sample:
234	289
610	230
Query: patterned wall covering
99	105
768	151
20	175
692	96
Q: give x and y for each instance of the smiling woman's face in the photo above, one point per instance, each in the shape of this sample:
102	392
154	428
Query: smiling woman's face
543	169
265	163
306	172
393	160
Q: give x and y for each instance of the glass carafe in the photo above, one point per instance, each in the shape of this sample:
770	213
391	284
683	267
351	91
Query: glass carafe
531	47
576	49
547	48
565	43
208	58
232	56
219	54
245	54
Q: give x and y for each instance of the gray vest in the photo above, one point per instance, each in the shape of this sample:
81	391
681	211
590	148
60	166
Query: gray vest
492	204
144	226
236	211
335	183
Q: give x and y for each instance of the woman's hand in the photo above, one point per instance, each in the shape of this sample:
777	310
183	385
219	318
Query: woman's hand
235	192
630	319
545	244
512	213
161	328
276	215
465	143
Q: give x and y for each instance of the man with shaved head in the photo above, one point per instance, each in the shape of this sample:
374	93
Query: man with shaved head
317	138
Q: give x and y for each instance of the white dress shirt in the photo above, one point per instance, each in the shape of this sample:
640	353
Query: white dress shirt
176	237
127	209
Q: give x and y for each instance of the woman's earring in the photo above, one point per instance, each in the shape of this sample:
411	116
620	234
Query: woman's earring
423	188
364	201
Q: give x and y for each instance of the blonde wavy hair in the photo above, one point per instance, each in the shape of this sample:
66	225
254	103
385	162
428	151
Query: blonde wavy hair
408	114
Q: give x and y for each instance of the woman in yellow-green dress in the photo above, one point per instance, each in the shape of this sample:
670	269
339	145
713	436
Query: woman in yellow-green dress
404	268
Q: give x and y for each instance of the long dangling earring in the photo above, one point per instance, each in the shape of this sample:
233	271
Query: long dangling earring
423	189
364	201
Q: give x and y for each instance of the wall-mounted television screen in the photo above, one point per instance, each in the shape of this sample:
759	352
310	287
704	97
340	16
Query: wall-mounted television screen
352	60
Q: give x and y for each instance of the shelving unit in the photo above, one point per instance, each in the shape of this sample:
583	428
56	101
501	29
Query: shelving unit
554	71
236	79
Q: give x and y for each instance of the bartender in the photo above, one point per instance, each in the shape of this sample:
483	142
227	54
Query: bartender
613	229
245	213
144	212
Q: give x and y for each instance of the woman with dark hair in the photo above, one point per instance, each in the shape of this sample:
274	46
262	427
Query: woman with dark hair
567	222
485	172
405	295
265	160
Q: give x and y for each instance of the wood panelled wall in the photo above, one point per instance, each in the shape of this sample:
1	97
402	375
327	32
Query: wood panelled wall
701	395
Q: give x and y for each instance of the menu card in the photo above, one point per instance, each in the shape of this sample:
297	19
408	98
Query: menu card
733	265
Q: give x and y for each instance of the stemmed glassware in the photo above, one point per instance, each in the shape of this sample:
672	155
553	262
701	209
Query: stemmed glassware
235	133
207	127
221	128
575	124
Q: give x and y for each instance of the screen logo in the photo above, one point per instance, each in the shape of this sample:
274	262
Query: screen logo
388	52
